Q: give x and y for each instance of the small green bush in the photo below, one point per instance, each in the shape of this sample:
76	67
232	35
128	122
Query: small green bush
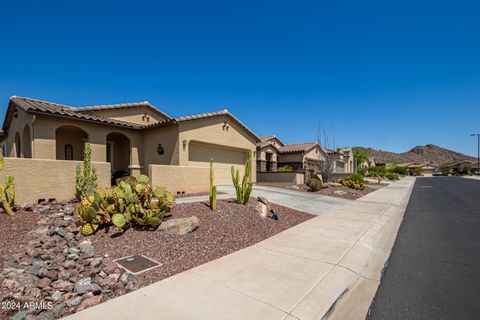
399	170
314	185
393	176
7	190
286	167
356	181
379	171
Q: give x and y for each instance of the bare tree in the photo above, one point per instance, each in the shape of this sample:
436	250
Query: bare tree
323	139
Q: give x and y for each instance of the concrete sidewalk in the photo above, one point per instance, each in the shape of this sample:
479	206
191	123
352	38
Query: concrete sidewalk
327	267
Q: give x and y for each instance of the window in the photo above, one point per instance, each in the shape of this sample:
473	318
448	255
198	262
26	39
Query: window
68	152
109	152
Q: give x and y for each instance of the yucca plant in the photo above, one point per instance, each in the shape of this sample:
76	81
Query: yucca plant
86	179
244	188
213	189
7	191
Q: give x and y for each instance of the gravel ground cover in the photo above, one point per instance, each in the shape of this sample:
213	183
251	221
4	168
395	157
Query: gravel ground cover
47	262
232	227
337	191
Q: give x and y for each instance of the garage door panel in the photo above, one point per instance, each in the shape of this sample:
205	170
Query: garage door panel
224	158
200	155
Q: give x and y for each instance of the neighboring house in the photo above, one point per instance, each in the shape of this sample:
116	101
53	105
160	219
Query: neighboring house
457	167
370	162
426	168
131	137
343	160
272	153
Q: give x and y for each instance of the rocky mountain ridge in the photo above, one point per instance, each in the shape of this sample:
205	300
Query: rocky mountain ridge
429	153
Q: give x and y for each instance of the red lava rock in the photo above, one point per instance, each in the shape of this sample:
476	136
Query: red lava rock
89	302
43	283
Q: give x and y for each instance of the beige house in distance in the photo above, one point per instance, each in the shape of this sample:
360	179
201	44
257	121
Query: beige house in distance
134	138
273	153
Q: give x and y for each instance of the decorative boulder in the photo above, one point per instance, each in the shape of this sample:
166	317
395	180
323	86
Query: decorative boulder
179	226
262	210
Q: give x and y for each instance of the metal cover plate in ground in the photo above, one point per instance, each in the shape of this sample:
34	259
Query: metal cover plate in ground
137	264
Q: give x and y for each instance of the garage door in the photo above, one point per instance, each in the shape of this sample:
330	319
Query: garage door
200	154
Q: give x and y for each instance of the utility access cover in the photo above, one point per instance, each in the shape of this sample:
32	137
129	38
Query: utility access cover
137	264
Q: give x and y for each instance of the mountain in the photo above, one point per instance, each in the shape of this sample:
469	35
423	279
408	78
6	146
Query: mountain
429	153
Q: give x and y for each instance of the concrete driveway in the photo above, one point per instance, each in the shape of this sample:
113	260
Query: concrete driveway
303	201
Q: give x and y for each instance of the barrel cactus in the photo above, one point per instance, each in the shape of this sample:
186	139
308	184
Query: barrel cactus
7	190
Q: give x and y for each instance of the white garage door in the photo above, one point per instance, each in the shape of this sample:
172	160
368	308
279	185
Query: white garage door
199	155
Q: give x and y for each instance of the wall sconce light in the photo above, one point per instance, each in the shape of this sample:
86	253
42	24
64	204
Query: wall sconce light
184	142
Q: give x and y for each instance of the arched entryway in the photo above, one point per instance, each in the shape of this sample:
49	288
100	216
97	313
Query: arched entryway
118	154
27	142
70	143
18	146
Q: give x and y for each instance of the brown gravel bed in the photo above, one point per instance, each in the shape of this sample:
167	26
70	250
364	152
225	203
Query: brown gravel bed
350	194
14	232
231	228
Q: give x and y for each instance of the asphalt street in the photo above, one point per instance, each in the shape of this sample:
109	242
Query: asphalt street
434	269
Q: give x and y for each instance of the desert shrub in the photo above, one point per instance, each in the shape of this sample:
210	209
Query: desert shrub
467	170
352	184
417	172
358	178
285	167
131	202
356	181
379	171
393	176
399	170
86	178
7	190
314	185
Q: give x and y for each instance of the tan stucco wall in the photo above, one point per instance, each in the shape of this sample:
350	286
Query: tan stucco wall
291	157
18	126
186	178
261	153
43	179
278	176
315	153
211	131
45	143
134	115
168	138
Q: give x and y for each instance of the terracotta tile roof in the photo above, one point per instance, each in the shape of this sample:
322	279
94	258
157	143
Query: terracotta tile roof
39	106
224	112
267	138
298	147
82	113
145	104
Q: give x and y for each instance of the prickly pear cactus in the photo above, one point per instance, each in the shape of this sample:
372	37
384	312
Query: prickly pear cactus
132	201
7	191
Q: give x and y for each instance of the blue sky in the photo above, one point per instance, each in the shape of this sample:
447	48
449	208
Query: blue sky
386	74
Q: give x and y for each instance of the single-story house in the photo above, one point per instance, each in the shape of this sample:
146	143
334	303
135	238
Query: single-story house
426	168
457	167
273	153
134	138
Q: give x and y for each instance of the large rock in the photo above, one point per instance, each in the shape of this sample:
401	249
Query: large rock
89	302
339	192
264	201
179	226
262	210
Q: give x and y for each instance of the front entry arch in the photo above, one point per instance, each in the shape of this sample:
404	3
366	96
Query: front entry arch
118	154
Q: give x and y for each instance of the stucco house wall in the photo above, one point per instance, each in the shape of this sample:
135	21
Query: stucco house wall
126	114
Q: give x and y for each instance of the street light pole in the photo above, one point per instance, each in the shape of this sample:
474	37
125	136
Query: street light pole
478	151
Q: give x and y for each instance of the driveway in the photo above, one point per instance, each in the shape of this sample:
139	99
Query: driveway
434	268
303	201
